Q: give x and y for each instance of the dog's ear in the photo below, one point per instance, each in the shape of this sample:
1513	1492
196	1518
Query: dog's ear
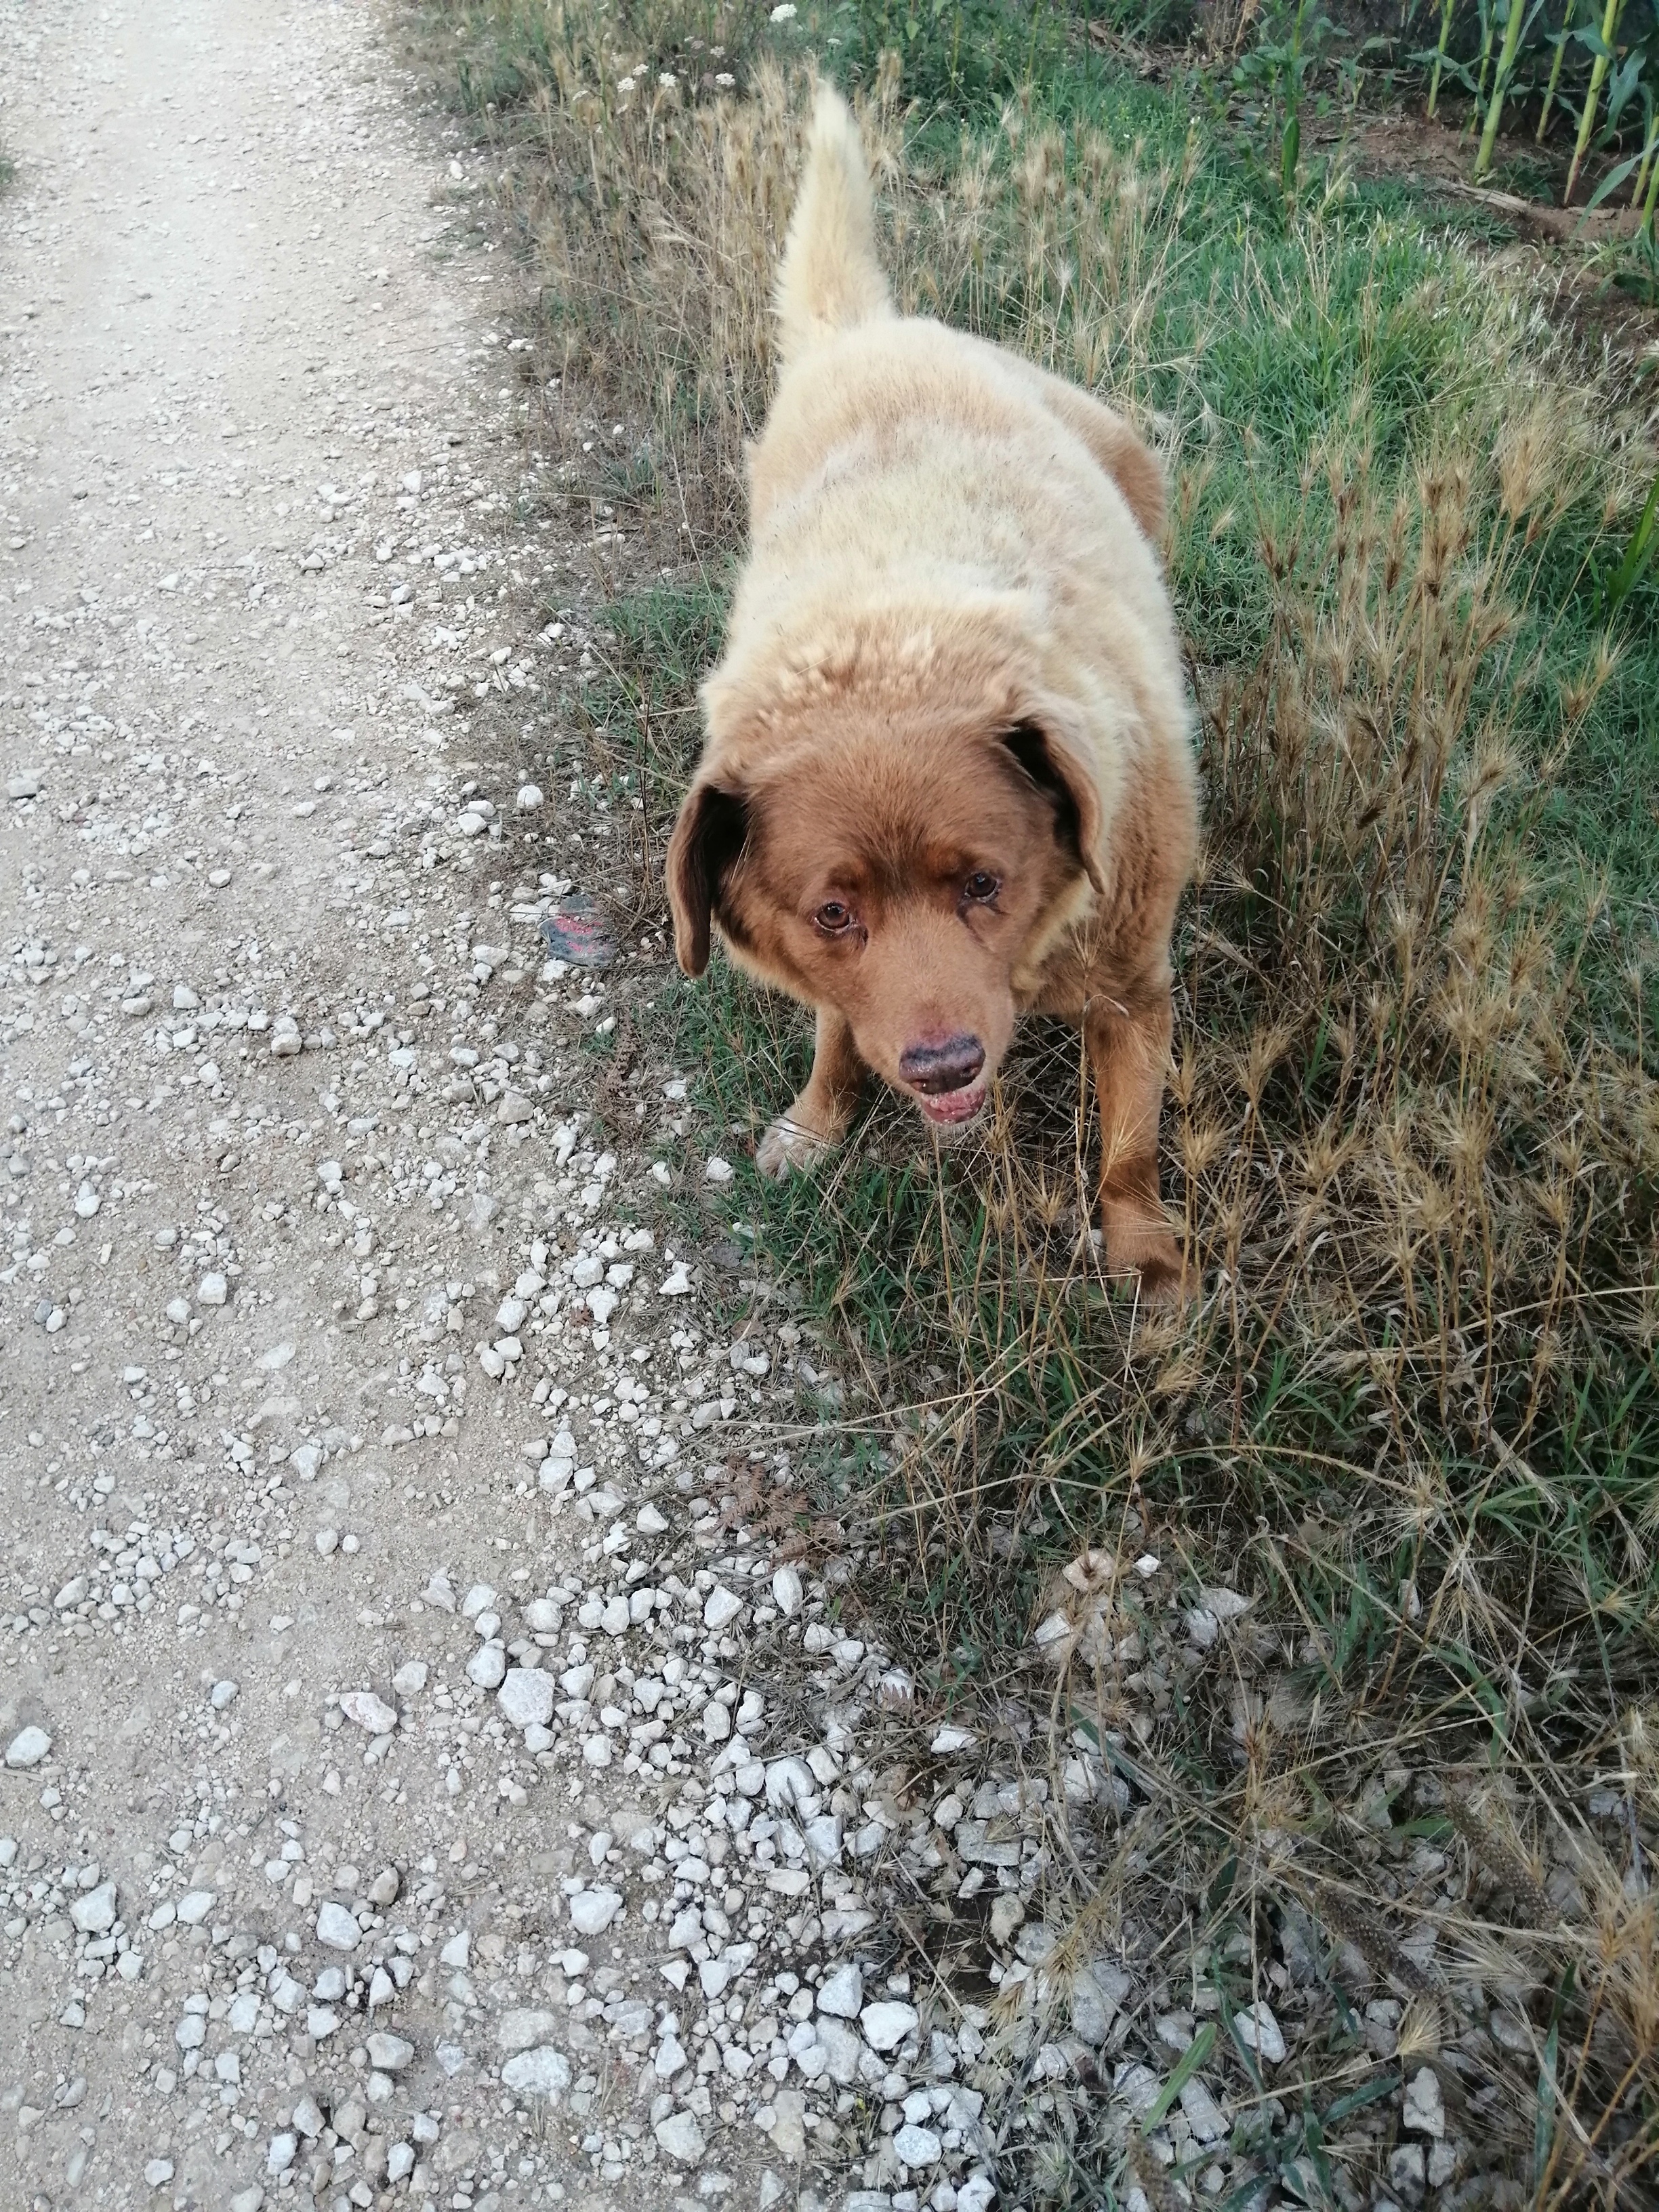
711	832
1058	769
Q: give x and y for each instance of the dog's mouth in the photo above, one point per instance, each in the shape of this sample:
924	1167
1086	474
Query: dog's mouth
949	1110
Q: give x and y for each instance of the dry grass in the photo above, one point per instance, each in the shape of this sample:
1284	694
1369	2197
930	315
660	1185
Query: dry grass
1412	1137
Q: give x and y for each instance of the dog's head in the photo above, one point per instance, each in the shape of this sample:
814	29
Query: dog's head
903	862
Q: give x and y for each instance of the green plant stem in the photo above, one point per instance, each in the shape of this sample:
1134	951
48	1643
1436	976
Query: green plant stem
1555	72
1653	196
1648	151
1592	98
1290	145
1489	27
1500	85
1623	578
1440	55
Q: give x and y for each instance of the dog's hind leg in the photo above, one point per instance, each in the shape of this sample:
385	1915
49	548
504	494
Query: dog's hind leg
1128	1048
818	1119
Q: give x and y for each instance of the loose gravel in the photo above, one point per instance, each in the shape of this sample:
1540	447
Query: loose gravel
422	1784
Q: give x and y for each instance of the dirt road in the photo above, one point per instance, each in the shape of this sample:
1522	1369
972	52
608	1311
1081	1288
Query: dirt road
396	1807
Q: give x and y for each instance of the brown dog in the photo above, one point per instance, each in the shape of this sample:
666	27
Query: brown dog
948	774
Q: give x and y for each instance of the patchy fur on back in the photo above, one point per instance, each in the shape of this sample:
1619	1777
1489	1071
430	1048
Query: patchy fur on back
948	774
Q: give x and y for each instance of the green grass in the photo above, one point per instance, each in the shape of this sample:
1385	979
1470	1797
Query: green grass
1417	1415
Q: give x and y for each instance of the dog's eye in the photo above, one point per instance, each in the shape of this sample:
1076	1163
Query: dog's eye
981	887
832	917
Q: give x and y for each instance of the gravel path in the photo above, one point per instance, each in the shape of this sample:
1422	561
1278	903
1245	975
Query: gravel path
399	1805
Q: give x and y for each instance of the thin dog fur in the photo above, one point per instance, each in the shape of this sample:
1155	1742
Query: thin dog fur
948	774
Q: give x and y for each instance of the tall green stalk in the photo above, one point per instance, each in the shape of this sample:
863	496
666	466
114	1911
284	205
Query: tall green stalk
1446	7
1488	27
1615	8
1647	210
1648	152
1555	69
1500	86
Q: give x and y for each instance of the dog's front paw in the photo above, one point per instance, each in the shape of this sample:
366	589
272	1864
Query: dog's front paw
790	1144
1153	1258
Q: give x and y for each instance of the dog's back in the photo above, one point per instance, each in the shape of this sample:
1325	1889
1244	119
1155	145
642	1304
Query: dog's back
915	483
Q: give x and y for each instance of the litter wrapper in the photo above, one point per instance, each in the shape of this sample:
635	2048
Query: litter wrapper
575	932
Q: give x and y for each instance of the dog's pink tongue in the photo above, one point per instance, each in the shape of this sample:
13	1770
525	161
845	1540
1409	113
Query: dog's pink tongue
953	1105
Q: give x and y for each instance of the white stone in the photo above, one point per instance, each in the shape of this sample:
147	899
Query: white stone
27	1747
1208	2122
787	1592
212	1290
280	2154
487	1667
886	2024
542	2072
526	1697
523	2027
94	1914
195	1906
680	2138
718	1170
917	2146
721	1607
337	1928
410	1678
1425	2108
1259	2029
529	799
951	1738
841	1993
593	1910
843	2047
390	2053
368	1712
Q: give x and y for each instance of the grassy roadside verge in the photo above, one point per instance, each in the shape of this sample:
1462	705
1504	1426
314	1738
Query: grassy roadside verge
1415	1422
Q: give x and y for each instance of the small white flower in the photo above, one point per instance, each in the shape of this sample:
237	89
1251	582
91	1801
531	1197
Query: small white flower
785	13
667	80
625	84
724	80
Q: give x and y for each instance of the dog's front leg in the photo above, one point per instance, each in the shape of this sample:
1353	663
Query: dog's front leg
819	1118
1128	1048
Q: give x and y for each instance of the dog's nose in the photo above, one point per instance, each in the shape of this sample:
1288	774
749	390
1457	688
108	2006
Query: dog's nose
951	1064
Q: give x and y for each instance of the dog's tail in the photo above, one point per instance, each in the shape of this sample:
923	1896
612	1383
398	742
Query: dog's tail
830	280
